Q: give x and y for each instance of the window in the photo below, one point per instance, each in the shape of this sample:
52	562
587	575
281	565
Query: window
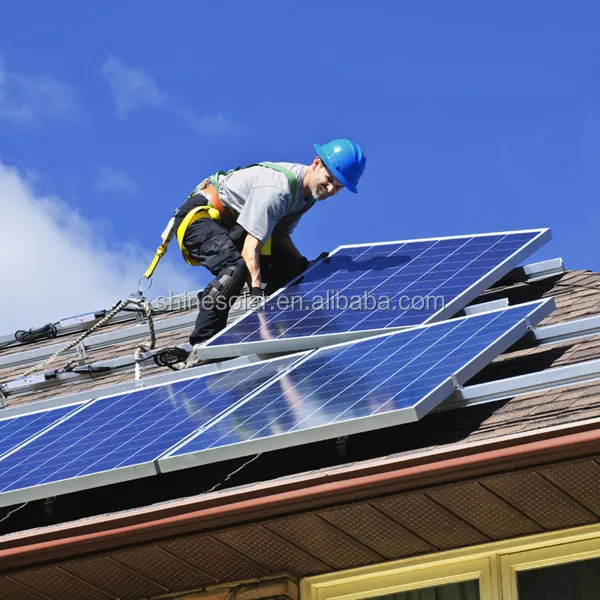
447	576
563	565
573	581
567	569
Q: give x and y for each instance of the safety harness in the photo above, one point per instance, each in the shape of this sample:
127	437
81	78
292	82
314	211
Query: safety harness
209	211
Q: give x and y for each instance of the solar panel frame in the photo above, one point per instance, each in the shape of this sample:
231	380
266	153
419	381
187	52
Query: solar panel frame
539	310
121	474
210	350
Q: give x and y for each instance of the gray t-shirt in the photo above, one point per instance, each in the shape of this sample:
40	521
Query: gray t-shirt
263	199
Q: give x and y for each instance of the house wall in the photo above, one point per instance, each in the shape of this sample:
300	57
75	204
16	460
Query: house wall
275	587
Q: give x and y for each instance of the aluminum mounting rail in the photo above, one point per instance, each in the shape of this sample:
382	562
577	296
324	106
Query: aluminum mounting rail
571	331
102	340
533	272
547	334
38	382
520	385
80	323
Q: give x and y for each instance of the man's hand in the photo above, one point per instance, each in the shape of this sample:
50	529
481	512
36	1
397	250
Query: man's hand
251	256
324	256
256	297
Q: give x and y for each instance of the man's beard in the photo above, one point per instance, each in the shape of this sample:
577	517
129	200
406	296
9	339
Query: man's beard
319	193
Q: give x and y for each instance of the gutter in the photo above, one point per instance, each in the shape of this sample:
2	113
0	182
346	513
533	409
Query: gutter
313	491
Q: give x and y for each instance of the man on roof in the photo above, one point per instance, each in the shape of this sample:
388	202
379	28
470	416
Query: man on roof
232	219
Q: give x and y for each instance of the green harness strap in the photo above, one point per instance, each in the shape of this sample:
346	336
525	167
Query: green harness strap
290	176
269	165
214	179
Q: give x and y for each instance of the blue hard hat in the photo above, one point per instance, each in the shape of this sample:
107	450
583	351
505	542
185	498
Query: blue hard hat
345	159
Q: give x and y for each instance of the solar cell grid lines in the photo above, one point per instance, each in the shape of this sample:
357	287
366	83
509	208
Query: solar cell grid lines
18	429
129	430
357	386
378	286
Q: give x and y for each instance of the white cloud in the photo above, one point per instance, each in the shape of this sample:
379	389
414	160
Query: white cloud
110	179
218	124
27	98
55	264
132	87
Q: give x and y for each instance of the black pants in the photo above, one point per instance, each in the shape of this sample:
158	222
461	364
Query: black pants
217	248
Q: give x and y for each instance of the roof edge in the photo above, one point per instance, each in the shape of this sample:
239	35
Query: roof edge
312	491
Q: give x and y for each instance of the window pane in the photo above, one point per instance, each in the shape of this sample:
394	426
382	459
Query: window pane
571	581
465	590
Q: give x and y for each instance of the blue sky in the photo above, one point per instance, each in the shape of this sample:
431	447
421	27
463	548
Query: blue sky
474	118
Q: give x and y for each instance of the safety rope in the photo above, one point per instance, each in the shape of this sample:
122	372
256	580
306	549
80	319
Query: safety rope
143	347
169	357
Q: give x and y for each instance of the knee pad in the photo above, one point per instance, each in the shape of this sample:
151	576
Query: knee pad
228	283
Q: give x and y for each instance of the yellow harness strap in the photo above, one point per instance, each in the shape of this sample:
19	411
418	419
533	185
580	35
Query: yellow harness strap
266	248
200	212
160	252
205	212
167	234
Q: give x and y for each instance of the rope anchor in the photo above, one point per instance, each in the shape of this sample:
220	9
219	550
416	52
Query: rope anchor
140	301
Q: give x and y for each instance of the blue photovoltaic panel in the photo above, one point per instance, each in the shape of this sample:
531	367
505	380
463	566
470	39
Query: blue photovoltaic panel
16	430
385	285
397	377
130	429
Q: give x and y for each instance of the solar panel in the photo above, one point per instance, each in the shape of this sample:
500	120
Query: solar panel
363	289
117	438
18	429
362	385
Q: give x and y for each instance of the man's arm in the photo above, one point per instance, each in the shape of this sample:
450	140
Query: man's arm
251	256
283	241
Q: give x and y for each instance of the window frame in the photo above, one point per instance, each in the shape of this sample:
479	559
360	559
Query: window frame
402	576
496	565
511	564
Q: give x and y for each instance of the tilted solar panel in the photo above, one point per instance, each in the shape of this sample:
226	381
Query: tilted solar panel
117	438
16	430
367	288
359	386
